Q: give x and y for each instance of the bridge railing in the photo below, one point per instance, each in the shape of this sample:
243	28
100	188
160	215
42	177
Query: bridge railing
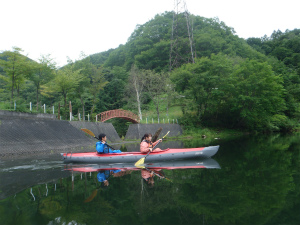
118	113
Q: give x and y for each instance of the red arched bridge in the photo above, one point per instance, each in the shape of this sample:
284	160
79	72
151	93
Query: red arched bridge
117	113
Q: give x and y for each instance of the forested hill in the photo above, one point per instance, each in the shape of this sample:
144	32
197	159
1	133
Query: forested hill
285	46
244	70
149	45
251	84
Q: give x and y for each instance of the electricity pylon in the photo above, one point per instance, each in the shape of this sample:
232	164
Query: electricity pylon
182	51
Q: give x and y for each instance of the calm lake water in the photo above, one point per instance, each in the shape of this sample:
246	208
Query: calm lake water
251	180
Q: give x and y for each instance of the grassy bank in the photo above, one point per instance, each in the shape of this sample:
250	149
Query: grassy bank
209	133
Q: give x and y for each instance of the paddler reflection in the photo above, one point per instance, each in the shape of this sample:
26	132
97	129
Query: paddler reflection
148	175
104	175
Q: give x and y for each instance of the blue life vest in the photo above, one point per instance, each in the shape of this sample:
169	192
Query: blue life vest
103	148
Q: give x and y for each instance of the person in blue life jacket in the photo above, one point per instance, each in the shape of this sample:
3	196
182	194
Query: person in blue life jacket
102	147
103	176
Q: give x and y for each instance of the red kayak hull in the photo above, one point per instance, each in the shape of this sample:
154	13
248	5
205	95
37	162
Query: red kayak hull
127	157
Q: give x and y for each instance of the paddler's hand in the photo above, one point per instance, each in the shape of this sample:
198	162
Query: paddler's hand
150	149
160	140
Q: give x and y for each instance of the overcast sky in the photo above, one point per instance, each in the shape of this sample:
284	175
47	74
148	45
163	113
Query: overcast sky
66	27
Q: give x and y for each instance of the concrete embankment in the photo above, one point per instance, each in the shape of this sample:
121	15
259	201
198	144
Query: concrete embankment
32	134
26	133
137	131
98	128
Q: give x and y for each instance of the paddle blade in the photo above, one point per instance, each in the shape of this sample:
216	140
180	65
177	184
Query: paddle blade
92	196
157	133
140	162
140	166
88	132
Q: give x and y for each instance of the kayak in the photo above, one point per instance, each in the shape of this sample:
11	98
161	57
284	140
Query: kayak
204	163
131	157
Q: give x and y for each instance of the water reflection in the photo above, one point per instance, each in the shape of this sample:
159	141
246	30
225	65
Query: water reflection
148	170
259	183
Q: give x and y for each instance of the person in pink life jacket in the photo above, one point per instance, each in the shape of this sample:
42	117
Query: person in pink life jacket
147	145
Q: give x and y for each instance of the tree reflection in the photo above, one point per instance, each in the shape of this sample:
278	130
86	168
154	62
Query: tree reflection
259	183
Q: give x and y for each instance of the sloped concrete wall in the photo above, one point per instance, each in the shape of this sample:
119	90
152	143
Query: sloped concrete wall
27	136
24	133
98	128
137	131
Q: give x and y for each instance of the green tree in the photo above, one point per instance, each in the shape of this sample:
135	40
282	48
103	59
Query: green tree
87	70
98	82
203	82
156	84
232	92
65	81
135	87
16	67
43	72
256	94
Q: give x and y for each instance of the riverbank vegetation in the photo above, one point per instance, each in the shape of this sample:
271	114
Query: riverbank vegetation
231	83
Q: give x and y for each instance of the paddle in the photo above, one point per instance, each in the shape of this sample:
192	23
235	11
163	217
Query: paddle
142	160
93	135
92	196
157	174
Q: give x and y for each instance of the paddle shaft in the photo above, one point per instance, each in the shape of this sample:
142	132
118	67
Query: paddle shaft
152	149
142	160
156	144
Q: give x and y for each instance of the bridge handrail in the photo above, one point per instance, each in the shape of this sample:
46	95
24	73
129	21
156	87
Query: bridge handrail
118	113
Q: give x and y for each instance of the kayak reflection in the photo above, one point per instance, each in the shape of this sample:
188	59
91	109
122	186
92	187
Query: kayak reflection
148	170
168	165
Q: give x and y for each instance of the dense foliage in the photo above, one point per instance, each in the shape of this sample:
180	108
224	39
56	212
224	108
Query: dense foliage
251	84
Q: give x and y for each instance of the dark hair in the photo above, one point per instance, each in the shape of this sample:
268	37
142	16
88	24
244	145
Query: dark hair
101	136
145	136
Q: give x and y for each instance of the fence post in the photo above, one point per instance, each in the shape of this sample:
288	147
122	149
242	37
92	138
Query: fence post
89	117
168	121
96	118
70	108
146	120
30	106
163	120
152	121
15	106
173	121
158	120
58	113
79	117
44	108
177	121
53	109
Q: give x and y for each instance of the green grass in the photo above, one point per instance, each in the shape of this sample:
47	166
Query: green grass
4	105
209	133
174	112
